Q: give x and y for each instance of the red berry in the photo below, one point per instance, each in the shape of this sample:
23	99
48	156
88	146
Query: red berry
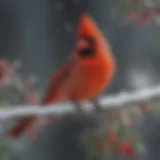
127	149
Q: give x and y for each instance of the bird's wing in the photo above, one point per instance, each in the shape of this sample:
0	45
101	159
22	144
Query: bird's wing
55	83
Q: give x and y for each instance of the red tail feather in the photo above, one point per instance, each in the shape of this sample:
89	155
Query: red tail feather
21	127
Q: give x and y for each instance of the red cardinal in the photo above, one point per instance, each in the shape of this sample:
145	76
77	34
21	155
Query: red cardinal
88	72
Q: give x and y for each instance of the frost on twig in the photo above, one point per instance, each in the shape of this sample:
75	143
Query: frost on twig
12	79
14	87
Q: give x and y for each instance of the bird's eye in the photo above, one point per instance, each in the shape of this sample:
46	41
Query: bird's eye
86	52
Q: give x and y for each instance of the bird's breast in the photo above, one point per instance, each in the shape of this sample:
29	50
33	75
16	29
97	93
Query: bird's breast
88	81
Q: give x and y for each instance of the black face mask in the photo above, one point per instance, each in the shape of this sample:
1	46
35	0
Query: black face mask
89	51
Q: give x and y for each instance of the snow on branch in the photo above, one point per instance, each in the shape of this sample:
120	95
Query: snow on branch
115	101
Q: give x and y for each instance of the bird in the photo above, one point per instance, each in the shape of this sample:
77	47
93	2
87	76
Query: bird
89	69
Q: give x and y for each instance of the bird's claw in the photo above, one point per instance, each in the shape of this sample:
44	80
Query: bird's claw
98	108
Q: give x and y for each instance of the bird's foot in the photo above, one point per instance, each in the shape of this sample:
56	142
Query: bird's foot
77	106
97	106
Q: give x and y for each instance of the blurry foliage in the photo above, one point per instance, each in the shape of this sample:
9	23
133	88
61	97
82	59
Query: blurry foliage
117	134
14	89
123	7
140	12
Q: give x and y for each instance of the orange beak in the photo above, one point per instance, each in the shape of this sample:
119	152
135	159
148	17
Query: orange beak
82	44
